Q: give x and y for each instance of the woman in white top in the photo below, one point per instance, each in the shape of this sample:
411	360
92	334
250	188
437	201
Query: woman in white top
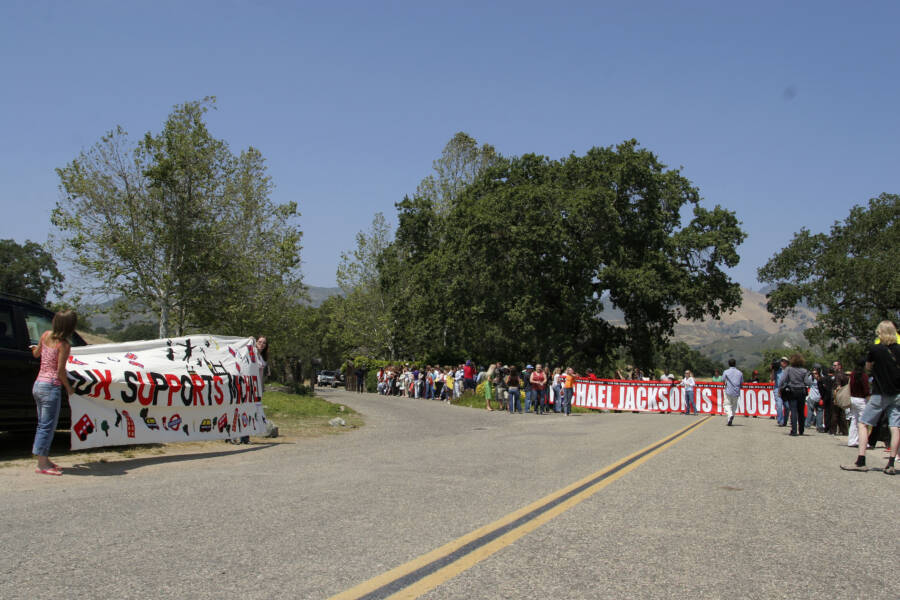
688	384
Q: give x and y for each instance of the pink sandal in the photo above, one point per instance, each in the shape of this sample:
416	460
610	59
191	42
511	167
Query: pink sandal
54	470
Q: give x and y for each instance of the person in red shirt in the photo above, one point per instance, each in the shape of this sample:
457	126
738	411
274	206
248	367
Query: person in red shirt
539	389
468	376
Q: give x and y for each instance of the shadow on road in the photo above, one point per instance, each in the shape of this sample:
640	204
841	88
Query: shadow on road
122	467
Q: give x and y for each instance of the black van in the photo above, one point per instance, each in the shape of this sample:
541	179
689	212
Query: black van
21	324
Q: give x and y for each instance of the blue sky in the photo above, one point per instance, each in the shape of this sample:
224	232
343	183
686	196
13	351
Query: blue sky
786	113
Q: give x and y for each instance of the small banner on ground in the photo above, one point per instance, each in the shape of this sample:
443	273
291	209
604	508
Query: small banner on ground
756	399
185	389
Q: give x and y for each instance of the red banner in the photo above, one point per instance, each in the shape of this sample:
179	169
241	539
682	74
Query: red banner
662	396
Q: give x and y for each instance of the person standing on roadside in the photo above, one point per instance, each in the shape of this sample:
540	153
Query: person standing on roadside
486	380
837	424
793	391
53	350
526	385
689	384
883	361
512	381
468	370
813	397
733	379
539	389
568	390
777	372
556	386
859	394
500	385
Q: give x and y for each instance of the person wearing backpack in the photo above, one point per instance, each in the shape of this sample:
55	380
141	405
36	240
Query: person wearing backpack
883	361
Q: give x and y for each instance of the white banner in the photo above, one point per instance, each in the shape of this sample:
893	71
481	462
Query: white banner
195	388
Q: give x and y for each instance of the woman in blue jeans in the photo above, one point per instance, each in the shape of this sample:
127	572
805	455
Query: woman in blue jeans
689	384
512	385
53	350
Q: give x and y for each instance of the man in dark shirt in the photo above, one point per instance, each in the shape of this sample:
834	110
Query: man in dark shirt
883	362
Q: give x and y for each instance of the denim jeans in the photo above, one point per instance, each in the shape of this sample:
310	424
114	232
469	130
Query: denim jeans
567	400
529	398
557	398
513	400
780	417
46	398
689	406
540	400
811	406
795	400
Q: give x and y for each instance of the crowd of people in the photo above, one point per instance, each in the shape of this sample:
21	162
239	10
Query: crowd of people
861	404
533	390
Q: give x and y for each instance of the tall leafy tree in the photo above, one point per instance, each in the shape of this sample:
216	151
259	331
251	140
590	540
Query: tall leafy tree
533	246
849	275
28	270
364	320
413	267
179	225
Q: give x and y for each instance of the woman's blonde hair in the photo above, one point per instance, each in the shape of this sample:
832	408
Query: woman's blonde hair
886	332
64	323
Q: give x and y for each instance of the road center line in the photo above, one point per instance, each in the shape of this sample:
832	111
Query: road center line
418	576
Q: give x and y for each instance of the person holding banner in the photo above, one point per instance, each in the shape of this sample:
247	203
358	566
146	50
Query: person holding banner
733	379
688	384
793	391
53	350
262	357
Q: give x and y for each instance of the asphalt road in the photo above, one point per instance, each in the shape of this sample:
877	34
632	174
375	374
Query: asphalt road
724	512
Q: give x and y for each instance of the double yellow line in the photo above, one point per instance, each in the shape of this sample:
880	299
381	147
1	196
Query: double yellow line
430	570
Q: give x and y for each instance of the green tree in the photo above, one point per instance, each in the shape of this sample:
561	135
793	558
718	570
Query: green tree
412	268
849	275
533	245
678	357
364	320
28	270
177	224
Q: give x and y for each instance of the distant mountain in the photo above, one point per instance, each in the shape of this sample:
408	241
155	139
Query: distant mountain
318	295
100	314
746	332
743	334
